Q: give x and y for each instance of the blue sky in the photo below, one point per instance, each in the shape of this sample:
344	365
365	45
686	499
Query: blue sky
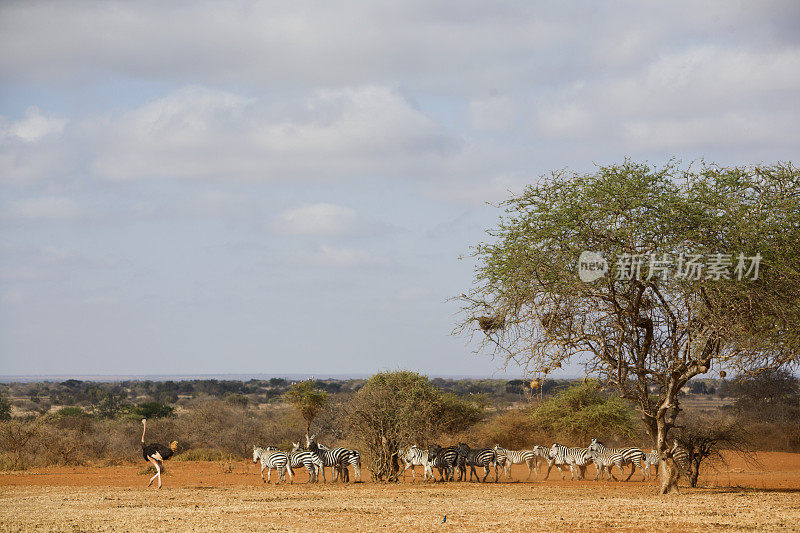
270	188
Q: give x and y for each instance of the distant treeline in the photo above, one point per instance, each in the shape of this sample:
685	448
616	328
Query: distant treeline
110	399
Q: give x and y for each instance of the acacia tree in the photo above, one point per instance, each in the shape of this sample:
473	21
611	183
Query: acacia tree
395	409
307	400
681	294
705	438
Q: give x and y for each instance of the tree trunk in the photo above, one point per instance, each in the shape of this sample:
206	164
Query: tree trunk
668	470
695	473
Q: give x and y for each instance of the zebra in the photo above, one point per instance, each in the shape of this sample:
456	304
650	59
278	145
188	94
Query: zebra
336	458
651	461
412	457
681	456
484	457
273	459
444	460
354	461
605	461
576	458
304	458
506	458
632	456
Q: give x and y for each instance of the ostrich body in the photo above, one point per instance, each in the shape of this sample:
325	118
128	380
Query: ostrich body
156	454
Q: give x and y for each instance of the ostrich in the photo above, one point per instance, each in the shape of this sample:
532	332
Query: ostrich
156	453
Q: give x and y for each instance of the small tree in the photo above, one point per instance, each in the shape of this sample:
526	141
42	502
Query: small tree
307	400
705	438
153	410
582	412
5	408
395	409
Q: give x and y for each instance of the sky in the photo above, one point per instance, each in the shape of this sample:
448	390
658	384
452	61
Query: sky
288	187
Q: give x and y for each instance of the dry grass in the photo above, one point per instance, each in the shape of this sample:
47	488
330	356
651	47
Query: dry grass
370	507
205	496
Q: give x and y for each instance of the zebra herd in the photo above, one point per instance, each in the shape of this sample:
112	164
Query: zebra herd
315	457
454	460
448	461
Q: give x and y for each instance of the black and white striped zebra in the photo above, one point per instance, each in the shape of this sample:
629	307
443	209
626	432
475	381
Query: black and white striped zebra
485	457
413	457
273	459
506	458
681	456
605	461
575	458
650	461
354	461
335	458
444	460
299	457
630	456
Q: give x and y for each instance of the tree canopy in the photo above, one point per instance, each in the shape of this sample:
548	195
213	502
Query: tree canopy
398	409
582	412
308	401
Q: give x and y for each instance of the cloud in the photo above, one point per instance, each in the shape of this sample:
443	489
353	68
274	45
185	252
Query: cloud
33	127
493	114
201	133
42	208
317	219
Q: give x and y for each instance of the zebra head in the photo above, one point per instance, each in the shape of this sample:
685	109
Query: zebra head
310	439
295	446
463	449
596	446
554	450
257	451
433	451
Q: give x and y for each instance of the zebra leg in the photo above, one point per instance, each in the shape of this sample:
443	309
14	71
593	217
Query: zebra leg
633	469
262	472
291	474
529	463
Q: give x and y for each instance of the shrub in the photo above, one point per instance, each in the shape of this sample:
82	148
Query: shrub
581	412
153	410
395	409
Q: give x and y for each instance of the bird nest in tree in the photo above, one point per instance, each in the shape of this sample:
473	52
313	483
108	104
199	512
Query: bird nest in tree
552	321
491	323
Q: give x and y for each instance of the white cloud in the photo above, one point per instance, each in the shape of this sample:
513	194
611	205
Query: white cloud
497	113
42	208
33	127
317	219
202	133
568	120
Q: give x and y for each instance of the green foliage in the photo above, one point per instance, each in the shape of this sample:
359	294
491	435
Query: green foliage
583	412
153	410
395	409
70	411
5	408
237	400
308	401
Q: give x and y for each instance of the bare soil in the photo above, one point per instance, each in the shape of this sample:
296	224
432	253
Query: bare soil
207	496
